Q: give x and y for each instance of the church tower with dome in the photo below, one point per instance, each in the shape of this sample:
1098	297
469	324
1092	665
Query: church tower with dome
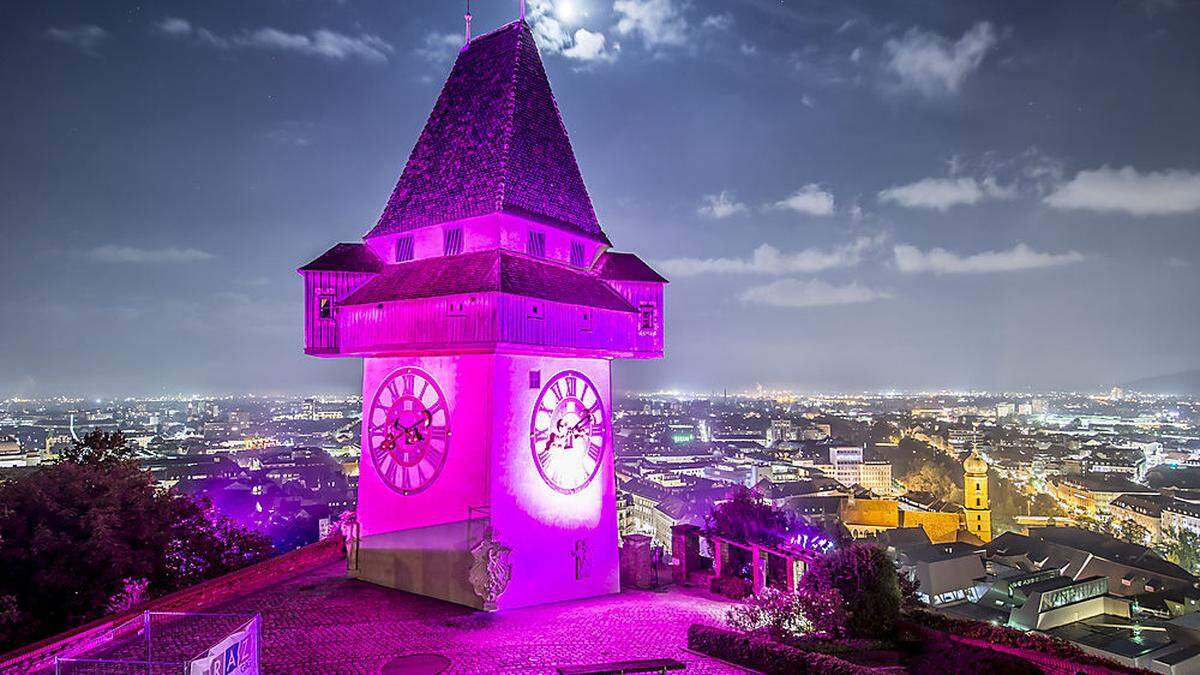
975	497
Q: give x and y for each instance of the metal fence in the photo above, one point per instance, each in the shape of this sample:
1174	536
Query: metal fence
173	642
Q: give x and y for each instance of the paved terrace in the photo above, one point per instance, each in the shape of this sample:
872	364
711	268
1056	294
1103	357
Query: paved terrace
321	622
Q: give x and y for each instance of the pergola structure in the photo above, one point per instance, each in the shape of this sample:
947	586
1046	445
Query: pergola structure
766	566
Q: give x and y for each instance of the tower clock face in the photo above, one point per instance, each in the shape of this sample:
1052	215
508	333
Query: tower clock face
408	430
567	432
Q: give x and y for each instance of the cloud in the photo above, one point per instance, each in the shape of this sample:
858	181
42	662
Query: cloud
129	254
86	39
1156	193
767	259
439	47
718	21
589	46
810	199
173	25
659	23
291	133
933	65
322	43
796	293
911	260
720	205
941	194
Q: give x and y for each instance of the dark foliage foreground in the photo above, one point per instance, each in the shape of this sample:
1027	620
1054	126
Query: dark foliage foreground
1009	637
765	655
92	534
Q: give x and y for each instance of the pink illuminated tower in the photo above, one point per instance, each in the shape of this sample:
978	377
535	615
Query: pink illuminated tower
487	308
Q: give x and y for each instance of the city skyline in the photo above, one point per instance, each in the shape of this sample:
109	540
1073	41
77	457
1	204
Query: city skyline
845	197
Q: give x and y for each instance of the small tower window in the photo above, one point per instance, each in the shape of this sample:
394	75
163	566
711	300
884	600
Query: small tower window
325	306
535	379
577	254
452	241
647	319
536	246
535	311
585	320
404	249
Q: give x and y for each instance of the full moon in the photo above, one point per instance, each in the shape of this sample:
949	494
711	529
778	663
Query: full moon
567	11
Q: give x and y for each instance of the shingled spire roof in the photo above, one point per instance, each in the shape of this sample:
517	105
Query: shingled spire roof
494	142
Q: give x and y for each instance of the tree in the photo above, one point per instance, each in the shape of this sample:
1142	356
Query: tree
1181	547
1131	531
93	531
853	591
98	447
747	517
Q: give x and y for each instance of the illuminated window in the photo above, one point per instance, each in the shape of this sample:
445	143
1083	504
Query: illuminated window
325	306
647	319
578	258
536	246
404	249
452	241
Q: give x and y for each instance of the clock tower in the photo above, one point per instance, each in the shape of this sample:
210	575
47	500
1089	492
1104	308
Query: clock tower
487	306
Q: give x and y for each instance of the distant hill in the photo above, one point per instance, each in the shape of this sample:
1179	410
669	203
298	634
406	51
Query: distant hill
1186	383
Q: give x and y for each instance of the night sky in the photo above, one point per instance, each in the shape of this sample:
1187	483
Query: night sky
845	195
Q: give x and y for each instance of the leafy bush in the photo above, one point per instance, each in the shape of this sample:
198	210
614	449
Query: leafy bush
773	613
765	655
732	587
853	592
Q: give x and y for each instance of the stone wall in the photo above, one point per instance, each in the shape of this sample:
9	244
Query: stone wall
41	655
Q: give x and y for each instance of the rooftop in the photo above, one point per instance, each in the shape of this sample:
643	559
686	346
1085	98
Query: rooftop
494	142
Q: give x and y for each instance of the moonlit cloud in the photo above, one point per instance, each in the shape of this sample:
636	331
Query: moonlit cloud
1156	193
800	293
322	43
720	205
767	259
86	39
553	37
659	23
811	199
912	260
589	46
130	254
941	194
934	65
439	47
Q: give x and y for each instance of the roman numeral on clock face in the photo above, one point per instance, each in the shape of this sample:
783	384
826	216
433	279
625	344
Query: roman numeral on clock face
566	433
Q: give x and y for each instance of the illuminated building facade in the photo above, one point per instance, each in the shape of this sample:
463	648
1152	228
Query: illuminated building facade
487	307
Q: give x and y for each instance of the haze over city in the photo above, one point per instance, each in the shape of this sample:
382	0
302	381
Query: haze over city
844	195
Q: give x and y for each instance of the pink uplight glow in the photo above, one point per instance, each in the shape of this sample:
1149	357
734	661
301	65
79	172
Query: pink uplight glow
487	308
